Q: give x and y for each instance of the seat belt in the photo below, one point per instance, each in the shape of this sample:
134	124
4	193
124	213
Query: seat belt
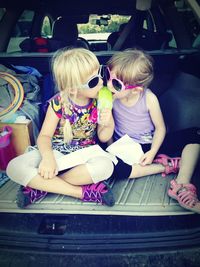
140	6
124	34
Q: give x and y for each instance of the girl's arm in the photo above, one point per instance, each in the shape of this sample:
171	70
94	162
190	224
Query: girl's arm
158	121
47	168
160	130
106	127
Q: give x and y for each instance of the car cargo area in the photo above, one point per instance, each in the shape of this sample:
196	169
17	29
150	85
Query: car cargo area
146	196
145	227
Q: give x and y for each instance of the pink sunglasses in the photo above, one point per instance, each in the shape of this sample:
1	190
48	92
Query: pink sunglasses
118	84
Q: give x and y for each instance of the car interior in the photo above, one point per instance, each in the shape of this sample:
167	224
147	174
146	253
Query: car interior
64	33
144	218
143	27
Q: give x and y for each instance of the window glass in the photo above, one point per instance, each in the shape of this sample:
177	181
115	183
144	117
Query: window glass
21	30
190	20
2	11
46	27
100	27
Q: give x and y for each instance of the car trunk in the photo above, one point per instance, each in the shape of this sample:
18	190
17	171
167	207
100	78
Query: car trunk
143	196
144	221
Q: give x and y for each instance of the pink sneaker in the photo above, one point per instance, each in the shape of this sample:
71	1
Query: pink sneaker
27	195
99	193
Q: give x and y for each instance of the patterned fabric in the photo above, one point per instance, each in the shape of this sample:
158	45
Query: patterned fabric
3	178
83	120
99	193
27	195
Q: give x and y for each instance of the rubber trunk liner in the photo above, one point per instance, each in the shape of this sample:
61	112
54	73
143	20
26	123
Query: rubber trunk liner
145	196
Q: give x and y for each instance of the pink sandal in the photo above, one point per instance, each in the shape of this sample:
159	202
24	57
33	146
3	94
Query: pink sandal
185	194
171	164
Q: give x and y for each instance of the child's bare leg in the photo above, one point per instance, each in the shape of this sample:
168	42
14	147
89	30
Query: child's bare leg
188	163
180	188
78	175
98	193
95	170
55	185
27	176
139	171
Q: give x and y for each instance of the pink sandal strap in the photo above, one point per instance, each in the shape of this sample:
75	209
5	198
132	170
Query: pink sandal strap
185	194
162	159
171	164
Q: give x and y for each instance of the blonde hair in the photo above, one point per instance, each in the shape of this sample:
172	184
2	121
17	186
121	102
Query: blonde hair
70	66
132	66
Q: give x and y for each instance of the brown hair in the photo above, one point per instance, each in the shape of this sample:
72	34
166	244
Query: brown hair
132	66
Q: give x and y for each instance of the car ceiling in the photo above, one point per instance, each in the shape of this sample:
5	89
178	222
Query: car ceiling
79	6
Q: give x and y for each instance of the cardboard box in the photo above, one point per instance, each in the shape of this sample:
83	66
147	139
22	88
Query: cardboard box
22	136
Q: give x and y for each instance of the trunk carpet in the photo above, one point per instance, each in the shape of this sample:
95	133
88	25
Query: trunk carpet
146	196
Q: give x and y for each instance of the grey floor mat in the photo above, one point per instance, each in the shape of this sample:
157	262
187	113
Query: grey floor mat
145	196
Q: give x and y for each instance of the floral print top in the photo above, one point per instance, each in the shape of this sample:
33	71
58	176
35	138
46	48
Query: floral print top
83	120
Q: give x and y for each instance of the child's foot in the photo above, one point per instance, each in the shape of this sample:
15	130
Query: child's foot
185	194
99	193
27	196
171	165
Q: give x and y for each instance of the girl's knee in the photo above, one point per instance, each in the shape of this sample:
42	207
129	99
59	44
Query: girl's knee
193	146
14	171
12	168
107	167
20	171
100	168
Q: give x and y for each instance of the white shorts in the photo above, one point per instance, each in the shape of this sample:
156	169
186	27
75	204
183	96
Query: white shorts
24	168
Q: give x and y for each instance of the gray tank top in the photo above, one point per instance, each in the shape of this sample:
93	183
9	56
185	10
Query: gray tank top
134	121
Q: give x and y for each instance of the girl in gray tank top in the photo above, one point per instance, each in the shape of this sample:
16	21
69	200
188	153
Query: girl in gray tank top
137	112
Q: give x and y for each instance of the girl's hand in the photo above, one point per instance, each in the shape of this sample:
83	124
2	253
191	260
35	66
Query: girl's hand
147	158
48	168
105	126
105	117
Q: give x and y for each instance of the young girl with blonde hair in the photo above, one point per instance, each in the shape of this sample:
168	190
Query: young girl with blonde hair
70	124
137	113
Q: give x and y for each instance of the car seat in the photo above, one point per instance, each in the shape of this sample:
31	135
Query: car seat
112	38
148	39
64	33
36	44
180	103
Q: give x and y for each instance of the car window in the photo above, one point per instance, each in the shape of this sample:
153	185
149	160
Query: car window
2	12
46	30
107	28
21	31
155	32
99	28
188	12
